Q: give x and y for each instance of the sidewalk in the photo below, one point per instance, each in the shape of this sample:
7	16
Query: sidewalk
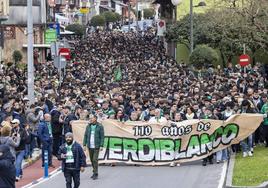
34	171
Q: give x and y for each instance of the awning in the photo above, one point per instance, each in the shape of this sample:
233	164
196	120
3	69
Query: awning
66	32
107	7
120	3
61	18
37	46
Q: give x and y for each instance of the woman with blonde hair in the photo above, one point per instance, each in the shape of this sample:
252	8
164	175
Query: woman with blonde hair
12	141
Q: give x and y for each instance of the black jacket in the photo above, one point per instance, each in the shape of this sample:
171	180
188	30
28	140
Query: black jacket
67	123
7	168
24	137
55	124
78	154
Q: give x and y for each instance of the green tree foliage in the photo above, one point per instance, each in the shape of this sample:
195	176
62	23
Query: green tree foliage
203	56
227	28
98	20
109	16
117	16
148	13
78	29
17	56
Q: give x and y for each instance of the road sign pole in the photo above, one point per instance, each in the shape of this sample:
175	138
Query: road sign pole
244	50
60	69
46	164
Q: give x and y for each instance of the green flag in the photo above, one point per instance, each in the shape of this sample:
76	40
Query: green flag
117	74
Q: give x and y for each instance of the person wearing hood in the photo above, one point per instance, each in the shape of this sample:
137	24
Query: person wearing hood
7	168
73	160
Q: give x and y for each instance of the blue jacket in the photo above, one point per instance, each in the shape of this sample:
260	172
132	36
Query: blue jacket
78	153
43	132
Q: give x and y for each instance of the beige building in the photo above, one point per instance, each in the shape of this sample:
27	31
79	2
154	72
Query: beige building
15	30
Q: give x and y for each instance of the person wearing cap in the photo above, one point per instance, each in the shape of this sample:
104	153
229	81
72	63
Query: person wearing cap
94	140
16	131
73	160
45	135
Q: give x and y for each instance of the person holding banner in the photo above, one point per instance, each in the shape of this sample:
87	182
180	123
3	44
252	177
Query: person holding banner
247	144
94	140
264	110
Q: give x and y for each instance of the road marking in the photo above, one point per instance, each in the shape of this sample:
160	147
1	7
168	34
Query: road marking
42	180
244	60
223	175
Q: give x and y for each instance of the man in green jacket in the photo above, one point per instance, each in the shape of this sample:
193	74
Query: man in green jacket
93	140
264	110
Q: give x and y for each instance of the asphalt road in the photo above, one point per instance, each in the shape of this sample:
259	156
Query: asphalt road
185	176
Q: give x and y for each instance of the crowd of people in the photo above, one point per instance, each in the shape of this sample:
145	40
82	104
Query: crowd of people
128	77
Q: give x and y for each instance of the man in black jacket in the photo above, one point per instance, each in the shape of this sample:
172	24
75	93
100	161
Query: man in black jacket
20	150
71	117
73	160
57	127
7	168
247	144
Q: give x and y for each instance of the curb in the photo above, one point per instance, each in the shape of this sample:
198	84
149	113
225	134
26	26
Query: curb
223	175
229	177
27	164
40	180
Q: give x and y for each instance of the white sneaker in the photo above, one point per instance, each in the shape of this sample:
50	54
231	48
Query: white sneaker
245	154
252	149
172	164
250	154
178	164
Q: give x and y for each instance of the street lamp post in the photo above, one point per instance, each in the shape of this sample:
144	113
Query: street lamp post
30	51
200	4
128	9
137	14
191	28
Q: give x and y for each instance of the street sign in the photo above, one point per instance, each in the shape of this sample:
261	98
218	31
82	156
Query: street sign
161	28
65	52
84	10
50	36
60	62
55	26
244	60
